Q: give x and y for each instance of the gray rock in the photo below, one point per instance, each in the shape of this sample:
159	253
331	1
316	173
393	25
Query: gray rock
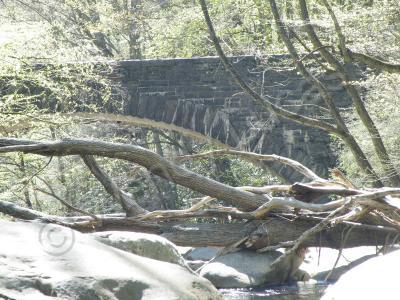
202	253
143	244
244	268
337	272
320	261
195	264
39	261
374	279
183	250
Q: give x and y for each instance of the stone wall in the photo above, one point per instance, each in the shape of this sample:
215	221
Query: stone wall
199	94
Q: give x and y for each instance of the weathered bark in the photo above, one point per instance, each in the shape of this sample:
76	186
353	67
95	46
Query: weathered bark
11	209
278	231
166	190
25	181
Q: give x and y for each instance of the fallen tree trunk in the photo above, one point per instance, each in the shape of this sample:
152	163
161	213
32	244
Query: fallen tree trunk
274	230
278	231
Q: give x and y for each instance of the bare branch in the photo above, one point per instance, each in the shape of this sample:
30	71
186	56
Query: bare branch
304	45
256	157
71	207
342	40
345	236
312	52
143	122
382	198
288	231
268	189
279	230
358	225
274	203
190	212
129	205
374	62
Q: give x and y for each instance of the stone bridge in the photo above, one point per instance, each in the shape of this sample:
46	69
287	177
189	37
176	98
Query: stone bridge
198	94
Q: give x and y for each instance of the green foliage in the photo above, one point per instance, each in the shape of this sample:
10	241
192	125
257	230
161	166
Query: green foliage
179	30
383	102
98	29
371	27
37	95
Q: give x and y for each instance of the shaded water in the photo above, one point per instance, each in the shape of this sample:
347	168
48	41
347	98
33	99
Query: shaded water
302	291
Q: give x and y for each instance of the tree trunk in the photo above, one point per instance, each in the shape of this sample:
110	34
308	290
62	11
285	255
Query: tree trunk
25	181
274	230
278	231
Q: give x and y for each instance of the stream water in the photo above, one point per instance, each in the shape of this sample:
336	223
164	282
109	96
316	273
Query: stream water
303	291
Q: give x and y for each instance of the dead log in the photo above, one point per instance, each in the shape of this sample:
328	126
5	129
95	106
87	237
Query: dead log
275	229
278	231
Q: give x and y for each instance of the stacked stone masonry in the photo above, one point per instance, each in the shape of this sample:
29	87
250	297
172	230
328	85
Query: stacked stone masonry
198	94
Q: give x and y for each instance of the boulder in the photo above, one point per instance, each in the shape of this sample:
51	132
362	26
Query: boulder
45	261
202	253
183	250
320	261
143	244
245	268
195	264
373	279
